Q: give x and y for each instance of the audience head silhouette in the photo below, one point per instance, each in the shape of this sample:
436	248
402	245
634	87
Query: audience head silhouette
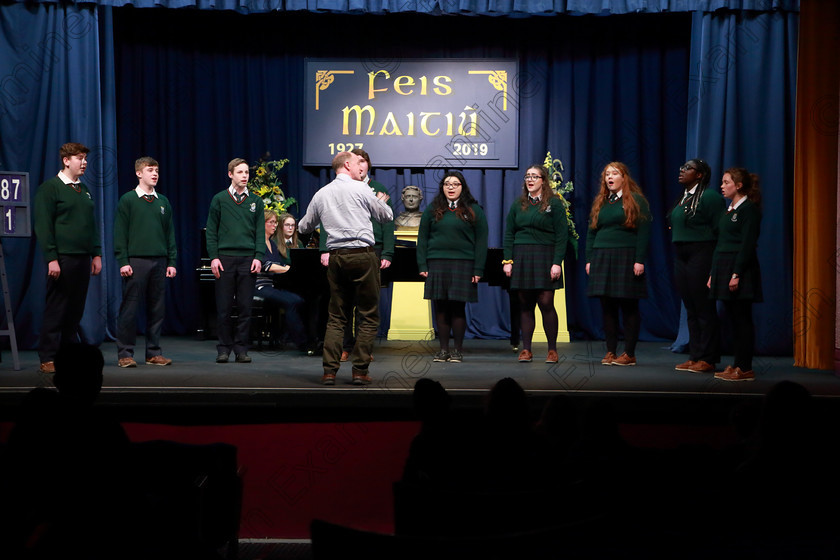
507	406
431	401
78	373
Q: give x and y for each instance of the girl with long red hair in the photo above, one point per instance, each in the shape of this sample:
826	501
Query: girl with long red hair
619	234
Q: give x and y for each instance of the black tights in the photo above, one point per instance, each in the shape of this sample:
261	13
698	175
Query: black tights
632	323
451	315
528	299
743	331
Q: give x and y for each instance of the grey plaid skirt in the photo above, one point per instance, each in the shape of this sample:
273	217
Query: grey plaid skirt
532	268
611	275
450	279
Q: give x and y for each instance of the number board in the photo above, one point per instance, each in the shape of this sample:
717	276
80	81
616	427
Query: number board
427	113
14	203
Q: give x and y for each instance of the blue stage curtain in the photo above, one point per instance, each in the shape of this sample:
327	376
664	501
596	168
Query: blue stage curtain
51	92
741	105
512	8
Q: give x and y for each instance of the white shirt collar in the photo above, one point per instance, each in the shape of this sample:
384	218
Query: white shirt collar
141	193
737	204
66	180
232	190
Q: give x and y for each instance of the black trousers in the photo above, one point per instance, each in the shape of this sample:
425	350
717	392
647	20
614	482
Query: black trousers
64	305
234	285
147	284
691	272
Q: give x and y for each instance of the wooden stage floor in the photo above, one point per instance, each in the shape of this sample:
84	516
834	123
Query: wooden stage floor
284	385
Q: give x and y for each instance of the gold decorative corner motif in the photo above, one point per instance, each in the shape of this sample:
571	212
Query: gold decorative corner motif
323	80
498	79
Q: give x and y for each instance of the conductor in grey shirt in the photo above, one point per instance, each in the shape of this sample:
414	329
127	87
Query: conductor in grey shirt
345	207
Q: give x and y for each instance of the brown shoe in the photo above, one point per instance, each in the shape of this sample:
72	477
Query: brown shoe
552	358
608	359
525	356
328	379
158	361
702	367
345	355
685	366
127	362
624	360
47	367
361	379
735	374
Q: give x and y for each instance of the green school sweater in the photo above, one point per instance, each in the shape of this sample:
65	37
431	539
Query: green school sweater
738	232
452	238
702	226
236	229
64	220
611	233
144	229
532	227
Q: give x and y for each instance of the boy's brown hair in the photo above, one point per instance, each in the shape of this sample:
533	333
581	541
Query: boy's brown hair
71	149
145	161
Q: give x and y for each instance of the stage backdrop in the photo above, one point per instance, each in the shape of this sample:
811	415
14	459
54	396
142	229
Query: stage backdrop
196	88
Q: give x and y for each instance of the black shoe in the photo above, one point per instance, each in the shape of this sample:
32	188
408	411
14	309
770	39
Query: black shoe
243	358
441	356
222	358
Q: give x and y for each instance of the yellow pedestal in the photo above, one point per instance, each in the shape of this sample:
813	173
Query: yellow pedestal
560	306
411	315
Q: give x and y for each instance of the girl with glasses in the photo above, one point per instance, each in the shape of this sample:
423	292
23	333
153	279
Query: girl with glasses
277	261
451	254
693	223
536	236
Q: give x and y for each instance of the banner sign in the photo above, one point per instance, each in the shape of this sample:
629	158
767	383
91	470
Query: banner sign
425	113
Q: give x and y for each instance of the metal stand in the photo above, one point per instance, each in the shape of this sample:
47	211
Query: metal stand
10	331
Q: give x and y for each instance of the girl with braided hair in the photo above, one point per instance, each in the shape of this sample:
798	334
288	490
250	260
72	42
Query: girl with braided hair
693	223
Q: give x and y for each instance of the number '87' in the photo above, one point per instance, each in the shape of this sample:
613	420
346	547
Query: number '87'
9	189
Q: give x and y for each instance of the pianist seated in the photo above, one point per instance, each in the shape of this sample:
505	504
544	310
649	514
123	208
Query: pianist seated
276	261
